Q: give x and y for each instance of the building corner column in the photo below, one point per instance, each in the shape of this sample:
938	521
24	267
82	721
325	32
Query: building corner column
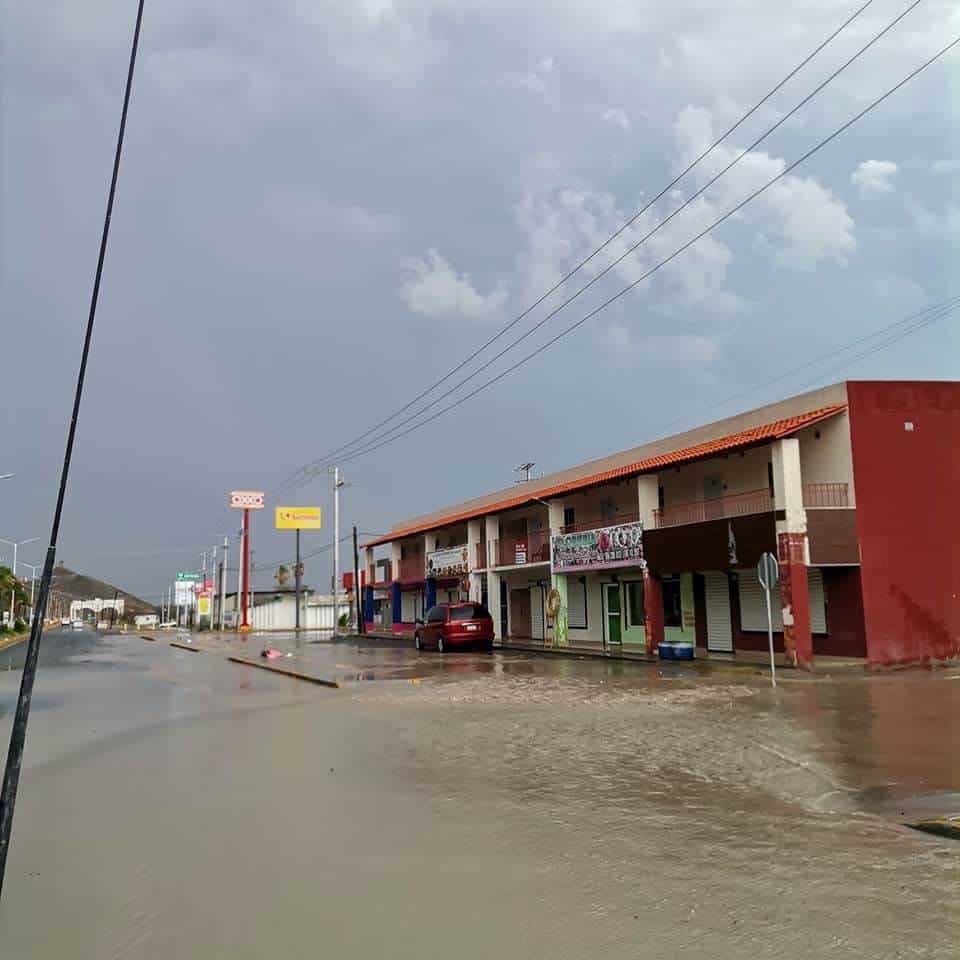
652	611
793	552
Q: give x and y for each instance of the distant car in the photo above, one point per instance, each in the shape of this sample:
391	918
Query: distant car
76	624
454	626
65	621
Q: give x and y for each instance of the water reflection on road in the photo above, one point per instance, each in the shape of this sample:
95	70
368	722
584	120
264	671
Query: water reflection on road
473	805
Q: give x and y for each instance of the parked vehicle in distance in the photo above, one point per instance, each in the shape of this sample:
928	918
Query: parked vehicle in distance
454	626
65	621
76	624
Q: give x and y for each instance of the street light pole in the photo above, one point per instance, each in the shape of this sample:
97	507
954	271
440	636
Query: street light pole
223	579
13	588
34	567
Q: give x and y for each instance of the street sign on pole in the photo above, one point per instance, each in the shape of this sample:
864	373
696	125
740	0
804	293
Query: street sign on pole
297	518
768	573
246	500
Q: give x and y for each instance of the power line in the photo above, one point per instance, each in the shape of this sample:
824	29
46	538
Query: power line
578	323
306	470
914	322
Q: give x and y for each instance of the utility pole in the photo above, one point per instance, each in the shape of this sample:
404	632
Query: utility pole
223	578
296	583
337	484
245	568
357	591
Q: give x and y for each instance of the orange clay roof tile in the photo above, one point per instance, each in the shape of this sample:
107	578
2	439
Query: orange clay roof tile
774	430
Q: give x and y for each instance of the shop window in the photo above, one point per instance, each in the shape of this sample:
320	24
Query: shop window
569	516
635	614
661	497
672	608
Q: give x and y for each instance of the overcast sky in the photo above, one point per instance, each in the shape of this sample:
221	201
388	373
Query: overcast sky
324	206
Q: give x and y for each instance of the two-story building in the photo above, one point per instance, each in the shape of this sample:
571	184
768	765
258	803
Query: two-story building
852	487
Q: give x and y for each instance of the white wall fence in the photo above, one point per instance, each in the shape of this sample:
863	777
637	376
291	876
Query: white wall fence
317	613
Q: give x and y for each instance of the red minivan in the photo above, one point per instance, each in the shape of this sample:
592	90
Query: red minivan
455	626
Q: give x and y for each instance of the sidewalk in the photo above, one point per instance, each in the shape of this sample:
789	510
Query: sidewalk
755	661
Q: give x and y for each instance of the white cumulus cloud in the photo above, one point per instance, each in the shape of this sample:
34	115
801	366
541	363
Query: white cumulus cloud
435	289
800	221
617	117
874	176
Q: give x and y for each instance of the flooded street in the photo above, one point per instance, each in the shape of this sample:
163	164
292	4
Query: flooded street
174	804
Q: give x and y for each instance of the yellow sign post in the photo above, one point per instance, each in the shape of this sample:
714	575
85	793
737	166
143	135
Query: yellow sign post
297	518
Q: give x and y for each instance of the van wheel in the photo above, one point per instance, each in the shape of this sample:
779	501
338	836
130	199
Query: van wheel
416	641
440	647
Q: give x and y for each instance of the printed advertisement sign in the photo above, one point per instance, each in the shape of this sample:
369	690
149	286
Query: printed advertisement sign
602	549
450	562
297	518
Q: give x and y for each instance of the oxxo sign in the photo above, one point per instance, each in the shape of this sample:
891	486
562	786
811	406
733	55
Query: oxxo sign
247	499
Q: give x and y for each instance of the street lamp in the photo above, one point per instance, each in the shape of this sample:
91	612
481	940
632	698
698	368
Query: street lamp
15	544
34	567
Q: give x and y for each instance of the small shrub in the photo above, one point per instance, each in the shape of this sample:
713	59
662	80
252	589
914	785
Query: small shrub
344	619
4	629
19	626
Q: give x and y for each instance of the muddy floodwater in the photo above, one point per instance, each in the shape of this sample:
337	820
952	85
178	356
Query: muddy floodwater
176	805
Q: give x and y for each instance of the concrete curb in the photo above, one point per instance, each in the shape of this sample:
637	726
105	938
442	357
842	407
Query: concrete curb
185	646
295	674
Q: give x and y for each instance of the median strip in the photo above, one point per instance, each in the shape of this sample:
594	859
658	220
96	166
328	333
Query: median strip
262	665
184	646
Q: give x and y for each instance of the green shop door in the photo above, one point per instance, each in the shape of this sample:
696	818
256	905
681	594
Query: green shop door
613	636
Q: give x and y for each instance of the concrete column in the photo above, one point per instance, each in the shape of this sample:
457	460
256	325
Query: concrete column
473	541
492	532
493	538
395	561
370	564
557	627
648	498
653	611
793	552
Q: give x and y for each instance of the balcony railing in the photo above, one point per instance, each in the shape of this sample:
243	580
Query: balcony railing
720	508
825	496
600	522
412	568
516	551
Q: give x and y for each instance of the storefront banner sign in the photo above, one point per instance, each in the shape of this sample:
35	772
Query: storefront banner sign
520	551
602	549
450	562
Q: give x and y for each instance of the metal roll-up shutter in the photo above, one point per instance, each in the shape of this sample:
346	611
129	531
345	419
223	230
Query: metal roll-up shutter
536	613
753	604
818	605
576	605
719	626
409	607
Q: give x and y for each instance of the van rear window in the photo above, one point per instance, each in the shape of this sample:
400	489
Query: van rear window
469	611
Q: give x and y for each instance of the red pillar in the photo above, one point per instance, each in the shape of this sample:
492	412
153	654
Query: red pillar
795	600
653	611
245	574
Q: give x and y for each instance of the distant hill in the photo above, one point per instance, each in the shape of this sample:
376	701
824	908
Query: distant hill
69	585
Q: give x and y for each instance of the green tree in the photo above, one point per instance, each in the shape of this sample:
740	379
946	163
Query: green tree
9	583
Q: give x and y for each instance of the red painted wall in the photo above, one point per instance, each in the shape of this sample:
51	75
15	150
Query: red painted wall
907	489
846	637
